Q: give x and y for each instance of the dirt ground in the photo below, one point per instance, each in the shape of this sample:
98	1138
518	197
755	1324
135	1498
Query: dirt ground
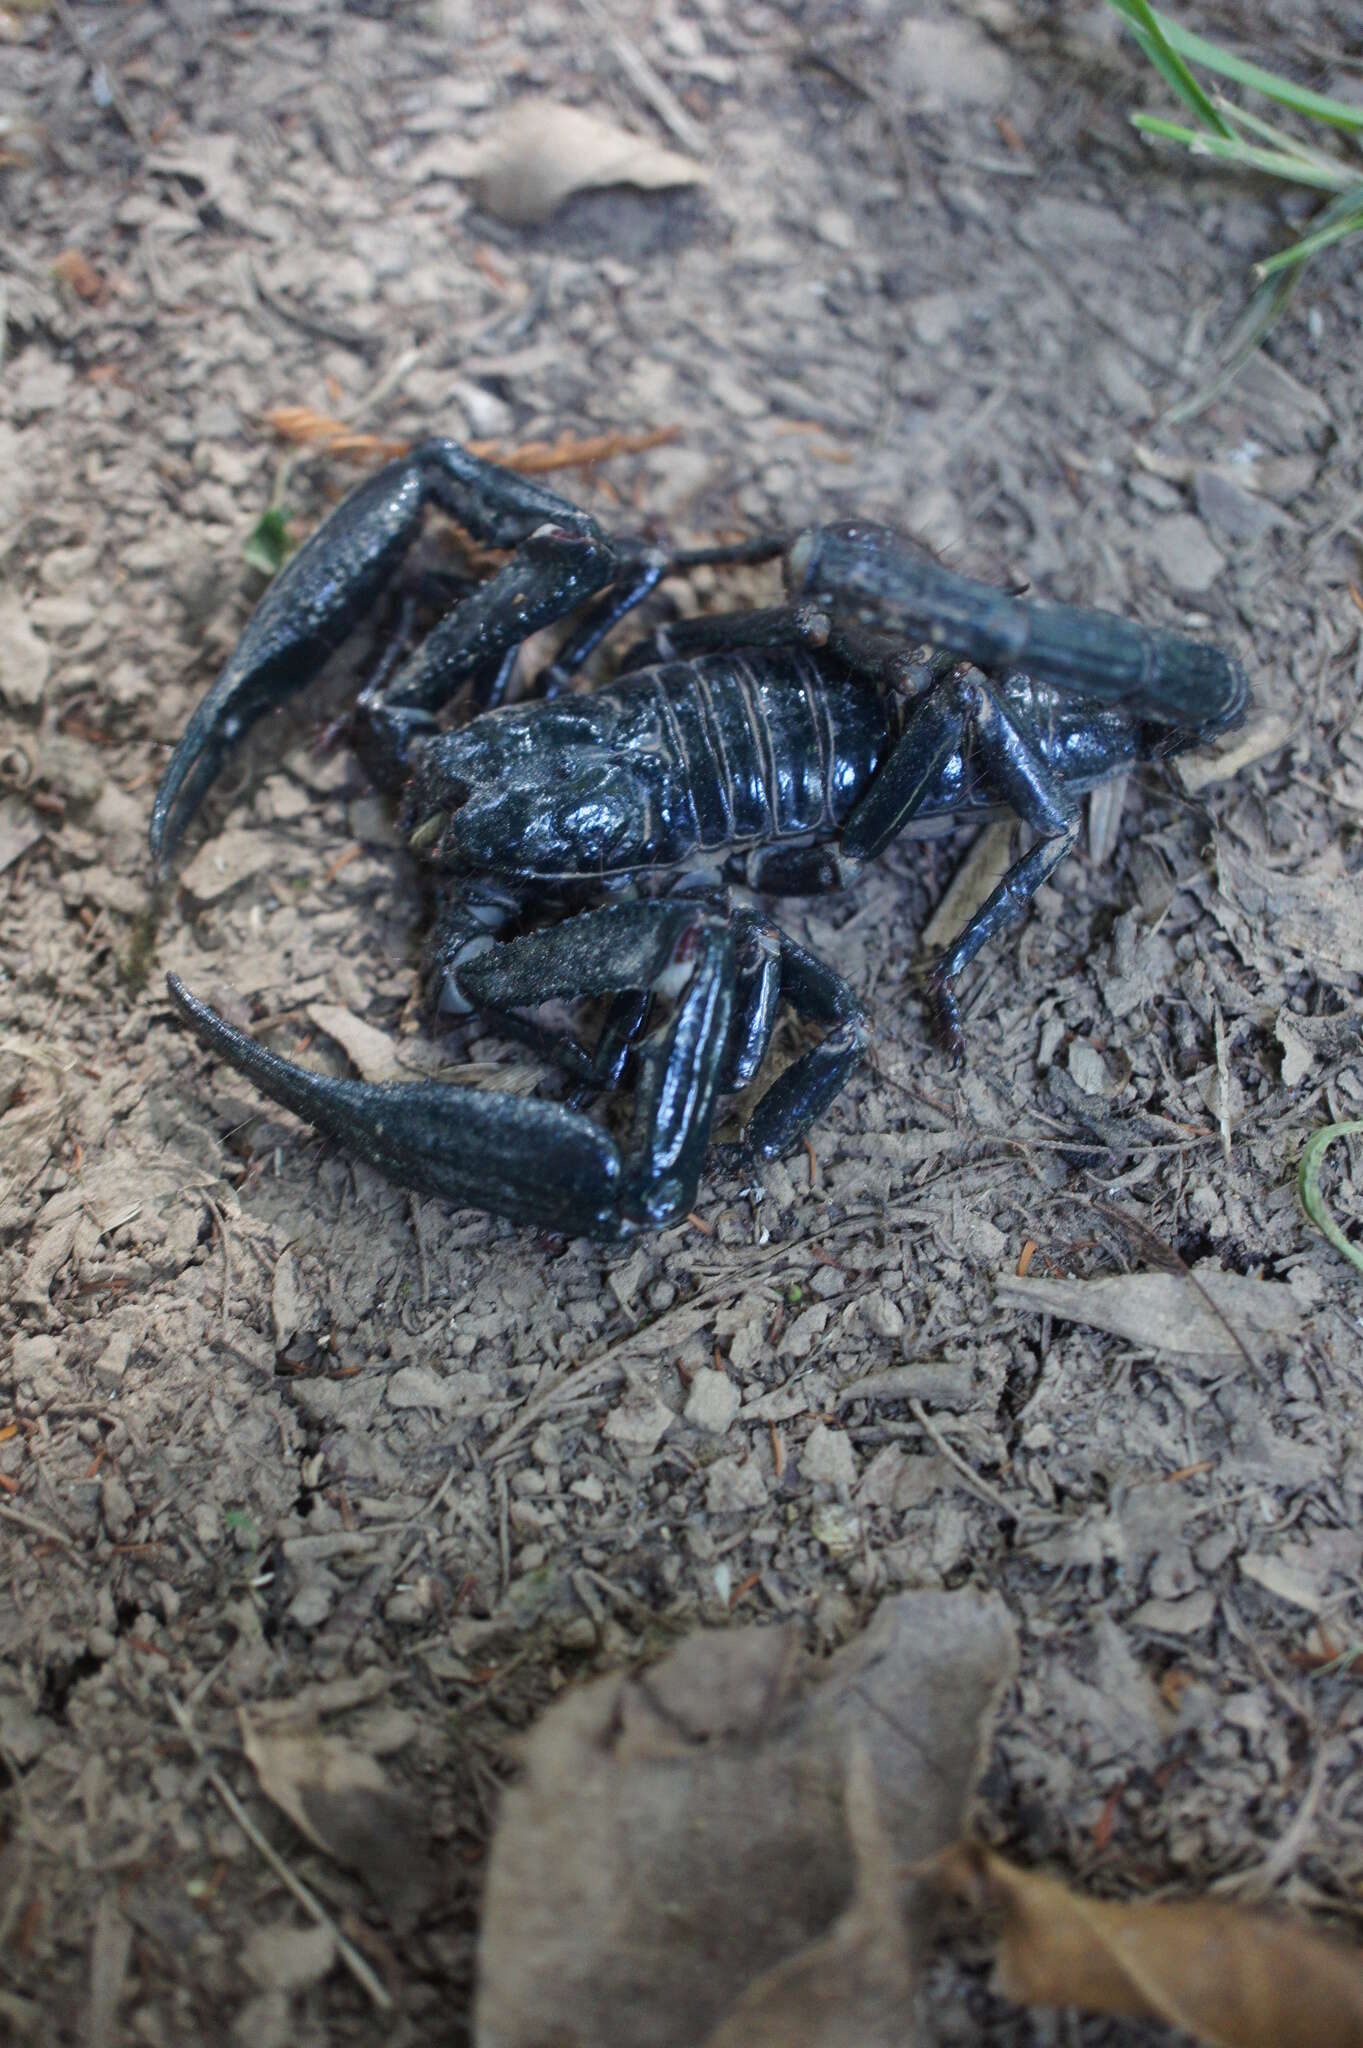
268	1425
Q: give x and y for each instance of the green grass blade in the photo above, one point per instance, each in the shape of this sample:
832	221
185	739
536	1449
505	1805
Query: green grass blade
1267	131
1350	222
1306	169
1149	32
1265	309
1184	44
1278	163
1312	1200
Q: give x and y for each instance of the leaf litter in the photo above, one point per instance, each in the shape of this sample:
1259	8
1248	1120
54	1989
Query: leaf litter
265	1423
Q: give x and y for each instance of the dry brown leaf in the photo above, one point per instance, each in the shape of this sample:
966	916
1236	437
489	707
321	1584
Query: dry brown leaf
338	1797
541	153
853	1988
1232	1978
1165	1311
1314	913
688	1848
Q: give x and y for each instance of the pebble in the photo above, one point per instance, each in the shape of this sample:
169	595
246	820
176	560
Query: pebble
827	1457
882	1315
732	1484
1182	548
944	64
284	1958
1232	511
117	1506
24	659
712	1402
637	1422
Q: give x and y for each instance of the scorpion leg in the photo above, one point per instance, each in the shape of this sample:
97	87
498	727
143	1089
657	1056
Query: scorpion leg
801	1094
795	626
533	1162
962	713
757	991
629	947
1003	907
600	618
637	944
626	947
336	577
642	570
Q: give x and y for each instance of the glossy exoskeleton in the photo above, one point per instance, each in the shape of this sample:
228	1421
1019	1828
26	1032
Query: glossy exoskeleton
778	750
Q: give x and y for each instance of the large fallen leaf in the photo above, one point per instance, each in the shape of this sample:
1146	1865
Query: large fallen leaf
1165	1311
692	1851
1316	913
337	1795
540	153
855	1985
1232	1978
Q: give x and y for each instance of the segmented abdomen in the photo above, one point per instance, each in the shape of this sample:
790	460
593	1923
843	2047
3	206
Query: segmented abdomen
766	747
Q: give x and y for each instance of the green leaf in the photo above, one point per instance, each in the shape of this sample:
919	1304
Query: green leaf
1279	163
267	545
1312	1200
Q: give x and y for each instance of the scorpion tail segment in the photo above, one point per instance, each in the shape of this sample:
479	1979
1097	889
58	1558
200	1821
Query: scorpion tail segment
885	580
531	1162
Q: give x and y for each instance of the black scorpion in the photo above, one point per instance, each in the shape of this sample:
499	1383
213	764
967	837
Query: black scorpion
777	749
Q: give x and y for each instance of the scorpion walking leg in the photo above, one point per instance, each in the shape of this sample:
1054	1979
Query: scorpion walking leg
639	576
964	713
757	990
793	626
1000	909
336	577
801	1094
627	947
530	1161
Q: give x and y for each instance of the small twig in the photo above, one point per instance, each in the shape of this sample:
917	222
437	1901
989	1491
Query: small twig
312	1906
1222	1077
504	1528
414	1210
37	1527
1290	1845
216	1213
646	81
1173	1262
967	1471
1242	1632
311	323
435	1501
24	1846
308	428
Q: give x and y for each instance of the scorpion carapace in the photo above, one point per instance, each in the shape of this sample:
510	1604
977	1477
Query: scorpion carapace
587	845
